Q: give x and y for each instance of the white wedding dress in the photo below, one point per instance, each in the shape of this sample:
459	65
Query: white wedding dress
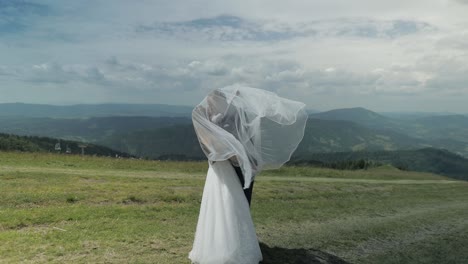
225	231
255	129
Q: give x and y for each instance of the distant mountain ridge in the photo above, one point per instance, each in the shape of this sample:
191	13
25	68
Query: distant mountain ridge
414	115
93	129
352	129
92	110
355	114
155	136
426	160
45	144
337	135
359	132
442	131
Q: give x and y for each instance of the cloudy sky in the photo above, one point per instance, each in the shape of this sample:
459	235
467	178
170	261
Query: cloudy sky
383	55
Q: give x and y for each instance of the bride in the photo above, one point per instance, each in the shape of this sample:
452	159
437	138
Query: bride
242	131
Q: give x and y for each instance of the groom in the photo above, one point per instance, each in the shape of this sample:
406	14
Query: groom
225	116
230	122
240	175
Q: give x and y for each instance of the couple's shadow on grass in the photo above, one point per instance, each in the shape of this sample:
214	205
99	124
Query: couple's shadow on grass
277	255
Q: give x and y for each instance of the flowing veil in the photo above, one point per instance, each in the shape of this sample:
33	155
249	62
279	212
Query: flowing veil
260	129
250	128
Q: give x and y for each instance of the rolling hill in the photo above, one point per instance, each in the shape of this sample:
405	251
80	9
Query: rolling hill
173	142
360	116
340	130
174	138
336	135
44	144
320	136
431	160
441	131
155	136
93	129
412	115
453	127
92	110
70	209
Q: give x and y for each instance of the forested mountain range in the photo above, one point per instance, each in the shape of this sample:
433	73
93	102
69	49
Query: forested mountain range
94	129
426	160
406	141
92	110
438	127
341	130
45	144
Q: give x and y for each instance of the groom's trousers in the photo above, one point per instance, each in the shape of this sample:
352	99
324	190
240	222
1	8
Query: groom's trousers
248	191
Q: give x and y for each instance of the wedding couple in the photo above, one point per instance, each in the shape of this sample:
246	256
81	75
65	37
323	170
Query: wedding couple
242	131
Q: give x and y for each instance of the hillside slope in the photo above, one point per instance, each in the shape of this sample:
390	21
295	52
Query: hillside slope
173	142
441	131
360	116
156	136
337	135
425	160
93	129
44	144
340	130
92	110
71	209
447	127
320	136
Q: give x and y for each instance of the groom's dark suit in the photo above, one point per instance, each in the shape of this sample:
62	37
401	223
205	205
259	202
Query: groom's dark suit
230	121
248	191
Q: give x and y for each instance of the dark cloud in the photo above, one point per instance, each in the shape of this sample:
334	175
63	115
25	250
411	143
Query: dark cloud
21	7
232	28
17	15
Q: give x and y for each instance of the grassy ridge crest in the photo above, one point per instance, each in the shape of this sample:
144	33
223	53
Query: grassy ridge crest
82	209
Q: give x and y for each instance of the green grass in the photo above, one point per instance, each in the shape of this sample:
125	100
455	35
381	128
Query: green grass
72	209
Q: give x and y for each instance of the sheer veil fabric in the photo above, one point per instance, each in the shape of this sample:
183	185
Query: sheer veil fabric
255	130
259	128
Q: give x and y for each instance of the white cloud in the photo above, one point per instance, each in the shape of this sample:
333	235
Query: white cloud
465	2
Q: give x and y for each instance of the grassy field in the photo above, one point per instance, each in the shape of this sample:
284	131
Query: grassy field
71	209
